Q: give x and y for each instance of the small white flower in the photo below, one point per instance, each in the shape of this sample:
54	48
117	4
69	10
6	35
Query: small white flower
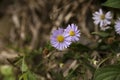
102	19
117	26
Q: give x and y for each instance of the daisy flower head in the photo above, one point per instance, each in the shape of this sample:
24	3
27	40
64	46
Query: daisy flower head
73	32
117	26
59	39
102	19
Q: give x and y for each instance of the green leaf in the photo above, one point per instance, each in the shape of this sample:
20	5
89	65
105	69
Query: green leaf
31	76
6	70
23	76
111	72
112	3
101	34
27	76
24	67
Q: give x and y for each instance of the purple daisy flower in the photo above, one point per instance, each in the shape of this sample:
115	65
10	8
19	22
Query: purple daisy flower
59	39
117	26
73	31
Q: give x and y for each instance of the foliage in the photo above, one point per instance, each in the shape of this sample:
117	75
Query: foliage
112	3
110	72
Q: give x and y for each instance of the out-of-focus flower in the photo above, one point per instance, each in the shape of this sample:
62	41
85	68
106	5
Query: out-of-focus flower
59	39
102	19
73	32
117	26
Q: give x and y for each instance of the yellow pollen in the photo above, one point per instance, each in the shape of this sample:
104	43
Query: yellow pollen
60	38
72	33
102	16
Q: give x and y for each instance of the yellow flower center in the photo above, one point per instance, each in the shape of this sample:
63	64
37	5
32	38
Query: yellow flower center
102	16
72	33
60	38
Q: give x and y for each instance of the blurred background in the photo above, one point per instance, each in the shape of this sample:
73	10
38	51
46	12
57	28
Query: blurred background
27	24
